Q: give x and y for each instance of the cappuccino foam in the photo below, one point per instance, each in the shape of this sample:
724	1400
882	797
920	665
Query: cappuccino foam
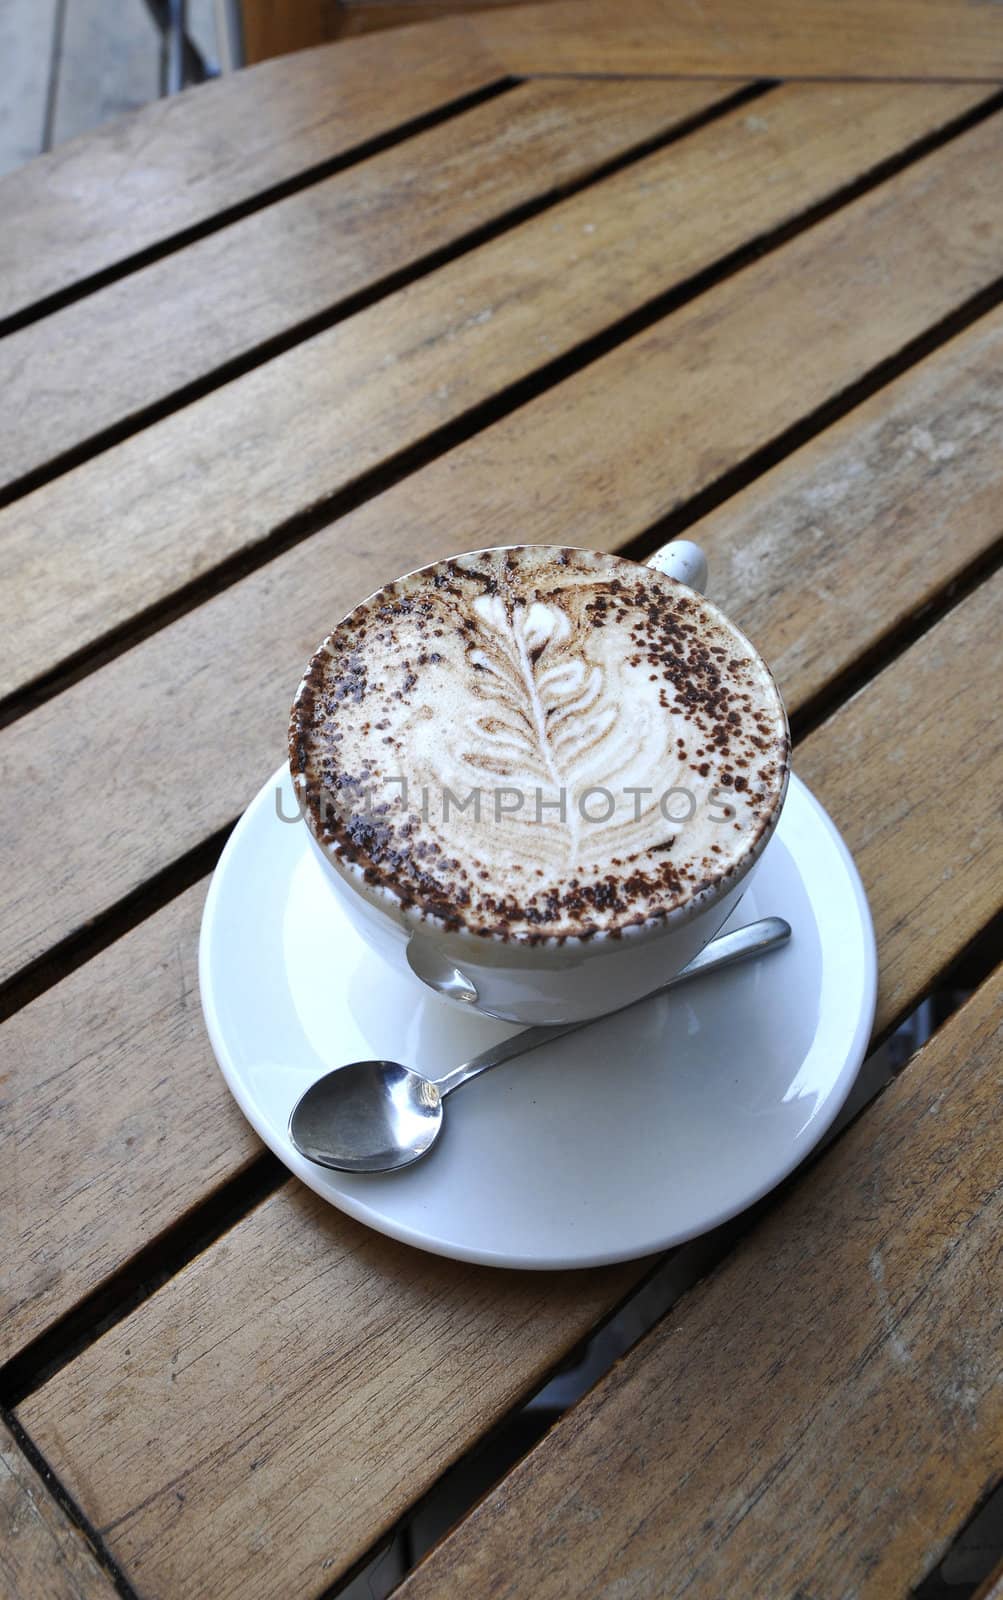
539	743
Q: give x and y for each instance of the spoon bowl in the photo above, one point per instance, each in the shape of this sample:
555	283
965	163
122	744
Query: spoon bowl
369	1116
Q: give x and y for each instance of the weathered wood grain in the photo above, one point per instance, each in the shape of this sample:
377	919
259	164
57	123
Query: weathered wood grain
856	532
298	1423
167	1474
88	551
181	161
26	39
112	1120
120	533
905	841
281	1434
595	460
139	181
776	38
854	523
42	1555
76	373
821	1414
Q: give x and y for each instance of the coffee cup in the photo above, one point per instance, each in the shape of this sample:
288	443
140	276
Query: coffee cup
540	671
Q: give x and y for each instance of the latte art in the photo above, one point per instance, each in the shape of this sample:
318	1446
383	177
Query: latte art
549	724
537	743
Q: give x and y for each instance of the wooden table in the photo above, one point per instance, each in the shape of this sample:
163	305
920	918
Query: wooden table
573	273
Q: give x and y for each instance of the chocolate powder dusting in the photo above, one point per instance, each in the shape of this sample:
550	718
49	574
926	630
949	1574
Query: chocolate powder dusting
587	745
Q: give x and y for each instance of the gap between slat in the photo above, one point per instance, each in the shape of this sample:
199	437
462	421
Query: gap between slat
311	175
360	300
188	1236
712	77
512	397
652	1299
68	1505
175	877
656	1296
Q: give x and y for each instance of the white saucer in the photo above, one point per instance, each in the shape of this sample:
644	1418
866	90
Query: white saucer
623	1139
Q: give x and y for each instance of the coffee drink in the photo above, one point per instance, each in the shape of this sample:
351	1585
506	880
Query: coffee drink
538	743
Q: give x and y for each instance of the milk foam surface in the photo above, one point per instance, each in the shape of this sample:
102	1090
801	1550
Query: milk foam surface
538	742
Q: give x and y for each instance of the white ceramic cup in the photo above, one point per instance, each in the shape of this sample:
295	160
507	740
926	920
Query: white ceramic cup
549	981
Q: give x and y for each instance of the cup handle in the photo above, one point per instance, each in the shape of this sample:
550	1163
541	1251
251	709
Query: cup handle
439	973
683	561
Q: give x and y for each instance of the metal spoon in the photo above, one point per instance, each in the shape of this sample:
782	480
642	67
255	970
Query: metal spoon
377	1116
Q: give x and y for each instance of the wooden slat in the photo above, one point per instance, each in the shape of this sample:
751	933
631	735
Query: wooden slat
150	177
26	37
777	38
96	1073
323	1438
856	532
889	730
125	530
645	36
108	64
306	424
862	511
178	163
42	1555
89	550
391	1360
820	1415
595	460
75	373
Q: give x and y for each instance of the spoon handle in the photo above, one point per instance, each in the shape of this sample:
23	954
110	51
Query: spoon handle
755	939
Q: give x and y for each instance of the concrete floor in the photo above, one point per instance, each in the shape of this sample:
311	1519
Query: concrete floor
68	65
